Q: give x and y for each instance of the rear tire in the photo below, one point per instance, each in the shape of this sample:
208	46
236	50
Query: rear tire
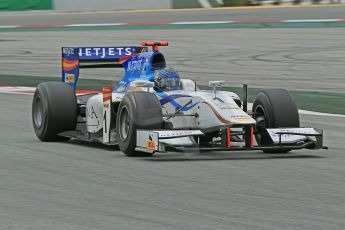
54	110
137	110
274	108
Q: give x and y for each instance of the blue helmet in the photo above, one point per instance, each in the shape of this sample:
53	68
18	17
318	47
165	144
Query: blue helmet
167	79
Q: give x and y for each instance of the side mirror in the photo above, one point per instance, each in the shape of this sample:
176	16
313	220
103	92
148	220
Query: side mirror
214	85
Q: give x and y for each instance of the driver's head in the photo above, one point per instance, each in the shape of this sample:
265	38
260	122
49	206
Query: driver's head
167	79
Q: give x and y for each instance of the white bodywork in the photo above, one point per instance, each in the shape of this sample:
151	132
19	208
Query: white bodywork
205	111
208	110
94	111
286	136
192	112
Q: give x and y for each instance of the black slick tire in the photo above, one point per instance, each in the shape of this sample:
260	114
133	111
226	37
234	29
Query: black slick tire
137	110
54	110
274	108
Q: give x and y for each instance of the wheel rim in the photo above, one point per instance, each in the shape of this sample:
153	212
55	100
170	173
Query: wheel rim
124	123
261	121
38	112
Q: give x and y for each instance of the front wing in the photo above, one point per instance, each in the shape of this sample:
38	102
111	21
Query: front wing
280	139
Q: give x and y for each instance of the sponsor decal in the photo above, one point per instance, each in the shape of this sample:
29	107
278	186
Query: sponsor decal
91	113
69	65
242	118
69	78
134	65
150	144
68	51
178	133
105	52
229	108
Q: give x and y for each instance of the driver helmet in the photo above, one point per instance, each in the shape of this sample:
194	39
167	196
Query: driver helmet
167	79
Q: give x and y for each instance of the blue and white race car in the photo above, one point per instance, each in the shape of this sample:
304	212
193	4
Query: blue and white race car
153	110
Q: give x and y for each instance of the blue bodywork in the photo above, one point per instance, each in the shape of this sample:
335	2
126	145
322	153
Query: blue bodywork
137	62
141	67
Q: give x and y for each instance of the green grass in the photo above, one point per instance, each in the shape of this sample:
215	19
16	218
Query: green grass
327	102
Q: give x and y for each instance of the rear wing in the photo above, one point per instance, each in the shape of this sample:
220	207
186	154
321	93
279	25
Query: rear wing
74	59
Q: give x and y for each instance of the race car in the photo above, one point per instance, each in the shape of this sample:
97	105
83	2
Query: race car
153	110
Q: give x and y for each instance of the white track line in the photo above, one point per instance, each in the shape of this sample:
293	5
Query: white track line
306	112
98	24
313	20
320	114
171	23
5	27
196	23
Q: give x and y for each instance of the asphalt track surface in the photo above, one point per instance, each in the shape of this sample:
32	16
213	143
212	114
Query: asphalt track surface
304	58
223	14
75	185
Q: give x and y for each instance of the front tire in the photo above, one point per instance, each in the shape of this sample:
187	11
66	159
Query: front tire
54	110
137	110
274	108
